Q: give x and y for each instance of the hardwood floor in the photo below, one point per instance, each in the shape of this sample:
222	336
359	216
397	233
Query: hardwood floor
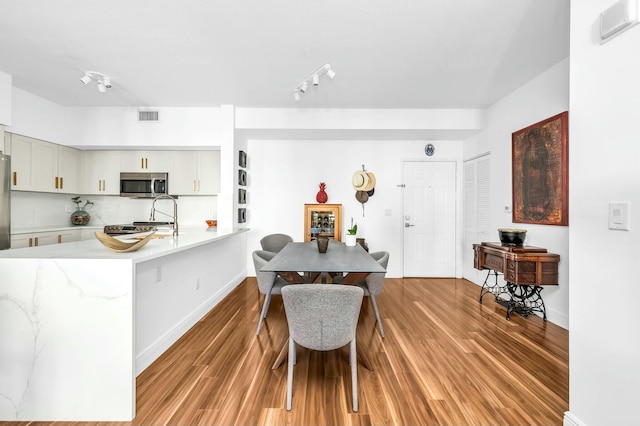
445	360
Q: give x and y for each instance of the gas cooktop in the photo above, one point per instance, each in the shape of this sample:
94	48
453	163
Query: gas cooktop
127	229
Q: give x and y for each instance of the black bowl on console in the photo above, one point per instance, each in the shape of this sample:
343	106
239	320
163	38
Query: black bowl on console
512	237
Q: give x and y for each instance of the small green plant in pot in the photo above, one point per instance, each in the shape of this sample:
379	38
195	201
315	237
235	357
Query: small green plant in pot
350	239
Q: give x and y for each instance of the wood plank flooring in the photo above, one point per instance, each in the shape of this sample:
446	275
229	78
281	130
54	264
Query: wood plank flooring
445	360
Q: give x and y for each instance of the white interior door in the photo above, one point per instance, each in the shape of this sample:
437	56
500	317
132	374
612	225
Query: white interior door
429	219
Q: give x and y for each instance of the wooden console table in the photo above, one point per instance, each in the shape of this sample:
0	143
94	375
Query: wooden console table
525	270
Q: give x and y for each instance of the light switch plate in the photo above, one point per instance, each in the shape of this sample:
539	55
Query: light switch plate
619	216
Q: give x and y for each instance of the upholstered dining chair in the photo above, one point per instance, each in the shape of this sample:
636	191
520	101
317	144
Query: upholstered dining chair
275	242
322	318
268	282
374	283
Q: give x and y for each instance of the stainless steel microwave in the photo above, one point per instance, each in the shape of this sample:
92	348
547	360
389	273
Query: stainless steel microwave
143	185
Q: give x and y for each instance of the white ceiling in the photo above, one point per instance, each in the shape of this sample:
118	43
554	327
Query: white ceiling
253	53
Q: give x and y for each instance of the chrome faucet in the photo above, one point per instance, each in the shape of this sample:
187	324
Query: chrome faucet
175	211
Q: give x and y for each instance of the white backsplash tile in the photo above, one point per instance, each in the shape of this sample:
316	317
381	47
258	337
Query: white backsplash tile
35	209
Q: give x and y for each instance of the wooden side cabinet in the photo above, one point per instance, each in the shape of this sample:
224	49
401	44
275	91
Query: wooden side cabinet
322	220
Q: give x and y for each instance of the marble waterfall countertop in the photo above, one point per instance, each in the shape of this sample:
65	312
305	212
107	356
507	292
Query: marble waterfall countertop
187	238
80	321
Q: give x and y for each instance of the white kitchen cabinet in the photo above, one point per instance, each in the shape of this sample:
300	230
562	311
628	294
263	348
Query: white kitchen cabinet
69	235
145	161
42	166
195	173
45	238
68	175
100	171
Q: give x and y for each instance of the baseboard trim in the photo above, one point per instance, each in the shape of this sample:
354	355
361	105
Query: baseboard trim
572	420
153	352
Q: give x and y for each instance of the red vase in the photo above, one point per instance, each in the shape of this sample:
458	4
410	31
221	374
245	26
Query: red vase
321	196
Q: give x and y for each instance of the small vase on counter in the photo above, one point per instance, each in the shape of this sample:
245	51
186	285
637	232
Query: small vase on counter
80	216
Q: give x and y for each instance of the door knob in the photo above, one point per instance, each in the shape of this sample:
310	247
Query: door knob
406	225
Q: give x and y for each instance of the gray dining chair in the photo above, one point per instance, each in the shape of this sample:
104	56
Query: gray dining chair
322	318
275	242
374	283
268	282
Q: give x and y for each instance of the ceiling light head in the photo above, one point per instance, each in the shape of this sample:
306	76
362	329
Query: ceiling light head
86	79
296	95
304	87
101	87
316	79
107	82
331	73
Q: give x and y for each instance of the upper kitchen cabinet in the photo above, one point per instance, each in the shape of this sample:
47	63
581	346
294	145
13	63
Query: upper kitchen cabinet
68	177
42	166
195	173
145	161
100	171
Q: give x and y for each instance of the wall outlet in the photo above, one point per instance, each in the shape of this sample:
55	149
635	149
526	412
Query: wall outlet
507	209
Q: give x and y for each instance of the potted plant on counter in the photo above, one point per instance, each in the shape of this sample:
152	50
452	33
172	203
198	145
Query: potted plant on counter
80	216
350	238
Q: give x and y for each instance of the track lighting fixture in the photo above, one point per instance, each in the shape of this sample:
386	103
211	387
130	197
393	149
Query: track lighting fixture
314	78
102	80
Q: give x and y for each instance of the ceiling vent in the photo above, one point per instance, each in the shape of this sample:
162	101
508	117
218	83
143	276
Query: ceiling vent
148	116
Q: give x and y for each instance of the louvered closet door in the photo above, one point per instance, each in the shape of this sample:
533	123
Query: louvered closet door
476	212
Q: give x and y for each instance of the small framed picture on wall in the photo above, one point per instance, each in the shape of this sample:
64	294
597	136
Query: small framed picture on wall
242	159
242	196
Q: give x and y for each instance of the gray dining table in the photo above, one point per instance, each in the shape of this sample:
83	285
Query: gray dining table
300	263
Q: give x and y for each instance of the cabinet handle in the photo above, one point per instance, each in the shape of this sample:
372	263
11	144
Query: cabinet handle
104	185
30	242
141	163
59	239
61	182
99	185
36	239
56	182
15	178
194	186
146	163
198	186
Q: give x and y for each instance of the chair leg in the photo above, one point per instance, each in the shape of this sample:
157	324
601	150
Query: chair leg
290	362
263	314
374	305
353	360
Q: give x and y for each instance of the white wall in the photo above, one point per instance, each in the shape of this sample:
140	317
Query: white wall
41	119
604	345
541	98
6	98
176	127
284	175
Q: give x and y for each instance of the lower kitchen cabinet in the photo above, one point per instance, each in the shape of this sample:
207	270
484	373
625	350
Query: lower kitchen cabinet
45	238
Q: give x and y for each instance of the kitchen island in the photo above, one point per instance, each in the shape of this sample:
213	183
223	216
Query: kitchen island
79	322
